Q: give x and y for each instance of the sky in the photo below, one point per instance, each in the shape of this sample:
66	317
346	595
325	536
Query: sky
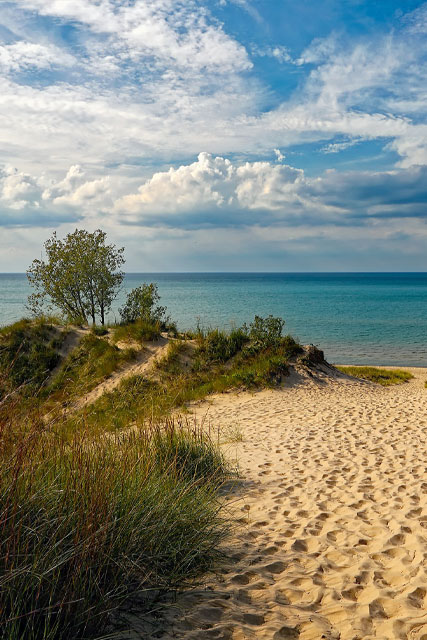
217	135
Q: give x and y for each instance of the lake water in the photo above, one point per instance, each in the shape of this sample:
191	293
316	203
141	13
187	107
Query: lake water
369	318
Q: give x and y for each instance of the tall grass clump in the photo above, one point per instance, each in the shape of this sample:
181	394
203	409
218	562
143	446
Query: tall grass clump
216	346
86	523
142	330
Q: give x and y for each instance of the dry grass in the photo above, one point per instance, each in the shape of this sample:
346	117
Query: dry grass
385	377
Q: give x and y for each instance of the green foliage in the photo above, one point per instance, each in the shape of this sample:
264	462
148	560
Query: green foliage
28	353
142	304
80	276
218	346
385	377
139	331
181	380
99	330
265	332
86	366
87	523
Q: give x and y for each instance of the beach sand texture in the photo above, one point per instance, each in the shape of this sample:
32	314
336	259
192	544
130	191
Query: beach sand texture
332	532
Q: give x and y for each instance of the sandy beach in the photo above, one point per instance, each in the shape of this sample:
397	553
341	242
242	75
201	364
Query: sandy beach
332	530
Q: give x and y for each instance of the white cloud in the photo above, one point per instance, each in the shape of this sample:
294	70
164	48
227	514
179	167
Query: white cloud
211	184
26	198
171	31
279	52
336	147
162	79
22	55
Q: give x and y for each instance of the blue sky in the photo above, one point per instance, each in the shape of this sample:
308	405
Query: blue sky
217	135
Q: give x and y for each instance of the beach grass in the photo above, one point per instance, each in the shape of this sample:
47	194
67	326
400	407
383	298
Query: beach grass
91	362
385	377
88	522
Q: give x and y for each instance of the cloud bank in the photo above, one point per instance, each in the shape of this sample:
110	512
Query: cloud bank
165	115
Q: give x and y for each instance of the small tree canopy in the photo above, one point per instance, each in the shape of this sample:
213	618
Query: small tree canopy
81	275
141	304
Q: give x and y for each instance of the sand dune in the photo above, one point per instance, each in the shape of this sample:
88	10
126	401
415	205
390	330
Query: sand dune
331	540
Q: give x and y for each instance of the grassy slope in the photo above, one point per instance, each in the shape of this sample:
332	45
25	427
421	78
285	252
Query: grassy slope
385	377
139	398
87	520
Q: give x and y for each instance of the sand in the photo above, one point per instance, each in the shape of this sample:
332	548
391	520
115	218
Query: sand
332	517
146	358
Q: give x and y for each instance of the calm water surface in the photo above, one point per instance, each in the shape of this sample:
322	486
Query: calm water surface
356	318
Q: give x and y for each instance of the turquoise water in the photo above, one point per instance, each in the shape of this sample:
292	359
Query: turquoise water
355	318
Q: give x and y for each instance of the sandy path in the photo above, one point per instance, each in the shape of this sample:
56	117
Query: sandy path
333	523
145	360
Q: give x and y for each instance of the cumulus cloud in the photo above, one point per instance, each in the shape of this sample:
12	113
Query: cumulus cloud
27	199
213	191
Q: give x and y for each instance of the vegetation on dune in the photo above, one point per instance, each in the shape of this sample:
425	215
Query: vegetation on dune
385	377
139	331
91	362
218	361
142	304
88	522
28	353
142	318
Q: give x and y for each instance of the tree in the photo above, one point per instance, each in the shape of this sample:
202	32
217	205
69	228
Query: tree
141	304
81	275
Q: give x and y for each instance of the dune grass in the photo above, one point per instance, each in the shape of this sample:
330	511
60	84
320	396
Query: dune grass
86	523
385	377
139	331
91	362
28	353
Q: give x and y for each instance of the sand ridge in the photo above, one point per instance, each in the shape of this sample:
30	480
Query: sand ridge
332	532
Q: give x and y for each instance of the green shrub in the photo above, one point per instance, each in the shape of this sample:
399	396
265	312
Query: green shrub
217	346
265	332
142	304
99	331
139	331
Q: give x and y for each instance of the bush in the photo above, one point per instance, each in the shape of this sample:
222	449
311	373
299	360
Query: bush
99	330
219	346
265	332
142	304
139	331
